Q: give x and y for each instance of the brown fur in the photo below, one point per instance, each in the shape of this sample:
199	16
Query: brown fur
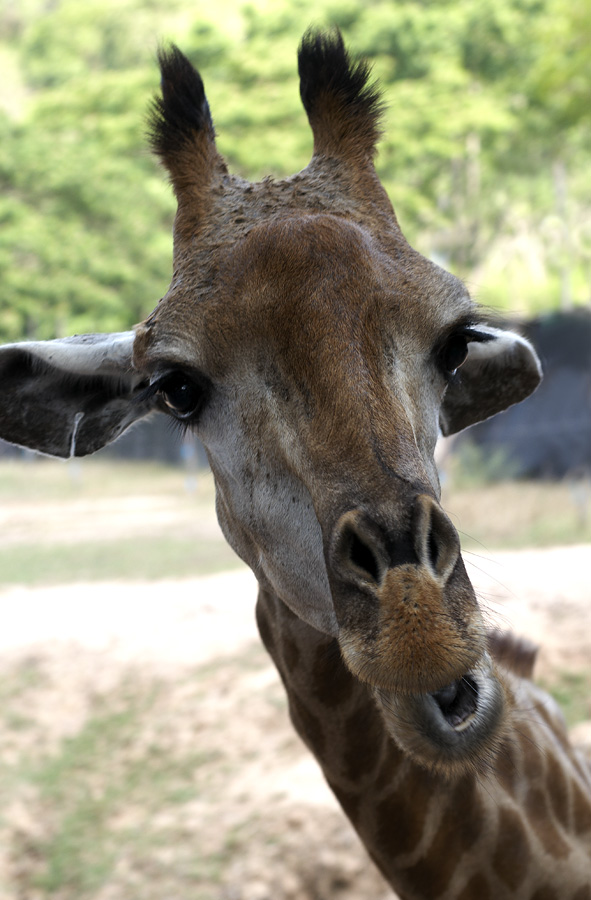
518	654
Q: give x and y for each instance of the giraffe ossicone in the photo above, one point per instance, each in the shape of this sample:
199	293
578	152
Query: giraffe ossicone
318	356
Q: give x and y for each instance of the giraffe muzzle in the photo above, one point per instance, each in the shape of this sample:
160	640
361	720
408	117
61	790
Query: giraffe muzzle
411	629
408	618
447	729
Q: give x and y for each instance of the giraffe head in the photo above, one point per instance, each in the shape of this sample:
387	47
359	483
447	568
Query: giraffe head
317	356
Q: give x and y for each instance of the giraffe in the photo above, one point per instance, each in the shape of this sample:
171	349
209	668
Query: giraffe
317	355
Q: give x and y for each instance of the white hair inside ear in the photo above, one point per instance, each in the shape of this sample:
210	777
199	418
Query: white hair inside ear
501	369
500	342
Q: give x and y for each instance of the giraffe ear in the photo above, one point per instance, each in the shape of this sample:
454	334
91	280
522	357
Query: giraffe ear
501	369
69	397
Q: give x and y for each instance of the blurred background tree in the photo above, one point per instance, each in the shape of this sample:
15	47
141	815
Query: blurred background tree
486	151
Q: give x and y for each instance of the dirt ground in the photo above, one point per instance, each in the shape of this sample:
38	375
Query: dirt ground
290	840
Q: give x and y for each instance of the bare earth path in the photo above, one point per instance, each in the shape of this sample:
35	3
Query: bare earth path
545	594
80	640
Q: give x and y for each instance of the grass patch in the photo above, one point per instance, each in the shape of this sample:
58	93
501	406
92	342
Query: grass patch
14	684
80	853
40	479
151	558
572	691
100	794
95	520
131	801
515	515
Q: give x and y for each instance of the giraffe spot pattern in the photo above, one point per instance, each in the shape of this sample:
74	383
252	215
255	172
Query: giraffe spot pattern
512	853
307	725
558	791
536	760
348	800
545	893
582	764
581	810
291	653
476	889
389	768
363	742
399	820
554	724
541	820
583	893
332	682
432	874
506	769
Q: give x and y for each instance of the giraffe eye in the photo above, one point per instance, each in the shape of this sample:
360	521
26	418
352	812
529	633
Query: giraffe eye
183	396
454	354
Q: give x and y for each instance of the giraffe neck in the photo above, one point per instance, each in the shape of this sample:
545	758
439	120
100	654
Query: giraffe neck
521	831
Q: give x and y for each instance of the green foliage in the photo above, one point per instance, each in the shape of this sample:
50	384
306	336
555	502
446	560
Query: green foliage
485	152
471	466
559	84
572	690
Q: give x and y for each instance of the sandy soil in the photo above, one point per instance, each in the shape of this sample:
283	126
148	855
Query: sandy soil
545	594
83	637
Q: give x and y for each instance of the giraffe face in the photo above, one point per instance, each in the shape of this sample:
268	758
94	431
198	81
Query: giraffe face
317	392
317	356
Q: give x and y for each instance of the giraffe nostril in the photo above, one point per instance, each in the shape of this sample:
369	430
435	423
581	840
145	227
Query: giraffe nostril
362	556
436	540
433	549
357	551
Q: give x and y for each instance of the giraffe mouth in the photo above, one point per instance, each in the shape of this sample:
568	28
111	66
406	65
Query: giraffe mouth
452	729
458	702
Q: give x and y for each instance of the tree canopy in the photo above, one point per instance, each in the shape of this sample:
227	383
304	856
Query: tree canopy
485	155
